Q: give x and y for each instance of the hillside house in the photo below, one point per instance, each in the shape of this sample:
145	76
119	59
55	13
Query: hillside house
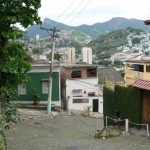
79	83
38	80
137	74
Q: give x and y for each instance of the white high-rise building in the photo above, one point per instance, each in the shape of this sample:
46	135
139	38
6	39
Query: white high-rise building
37	37
71	54
86	53
68	54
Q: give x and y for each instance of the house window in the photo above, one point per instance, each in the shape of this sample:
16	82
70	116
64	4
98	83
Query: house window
76	74
45	87
147	68
91	72
136	67
80	100
22	89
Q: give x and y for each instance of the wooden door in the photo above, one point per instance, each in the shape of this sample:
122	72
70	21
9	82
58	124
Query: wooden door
146	109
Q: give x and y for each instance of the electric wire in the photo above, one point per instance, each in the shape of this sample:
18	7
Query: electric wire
74	10
65	10
81	11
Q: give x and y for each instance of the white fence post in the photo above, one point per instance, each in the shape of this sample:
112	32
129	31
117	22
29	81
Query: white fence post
147	130
106	122
126	125
97	125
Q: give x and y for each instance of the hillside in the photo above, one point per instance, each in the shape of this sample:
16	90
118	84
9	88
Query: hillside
113	25
93	30
106	45
67	38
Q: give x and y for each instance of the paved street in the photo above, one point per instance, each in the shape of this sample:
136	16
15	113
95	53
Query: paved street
63	132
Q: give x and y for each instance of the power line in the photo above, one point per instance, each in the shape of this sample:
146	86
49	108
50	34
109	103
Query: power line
81	11
80	4
65	10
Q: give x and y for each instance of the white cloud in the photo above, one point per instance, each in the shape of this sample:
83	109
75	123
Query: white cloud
92	11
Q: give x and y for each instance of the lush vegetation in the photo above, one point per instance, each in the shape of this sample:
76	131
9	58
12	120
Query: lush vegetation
14	62
106	45
127	99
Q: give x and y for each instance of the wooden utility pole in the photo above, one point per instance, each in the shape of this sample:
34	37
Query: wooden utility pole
53	37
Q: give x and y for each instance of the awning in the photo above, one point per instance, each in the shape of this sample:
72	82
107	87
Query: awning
142	84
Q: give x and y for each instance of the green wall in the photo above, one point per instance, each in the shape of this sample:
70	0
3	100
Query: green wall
35	82
127	99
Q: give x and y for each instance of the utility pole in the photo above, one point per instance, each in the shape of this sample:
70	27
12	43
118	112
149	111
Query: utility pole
53	37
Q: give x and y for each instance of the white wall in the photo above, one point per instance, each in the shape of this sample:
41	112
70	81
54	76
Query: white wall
85	86
88	85
81	106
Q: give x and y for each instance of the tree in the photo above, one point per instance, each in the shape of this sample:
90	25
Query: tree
13	57
15	65
104	62
136	40
57	56
118	63
36	50
24	12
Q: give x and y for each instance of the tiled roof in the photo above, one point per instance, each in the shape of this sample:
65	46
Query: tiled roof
142	84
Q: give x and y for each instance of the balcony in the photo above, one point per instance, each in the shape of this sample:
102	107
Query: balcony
132	75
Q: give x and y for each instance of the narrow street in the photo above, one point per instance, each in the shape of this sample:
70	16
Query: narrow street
63	132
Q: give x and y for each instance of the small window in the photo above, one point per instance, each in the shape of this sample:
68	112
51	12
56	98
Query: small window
91	72
22	89
76	74
45	87
147	68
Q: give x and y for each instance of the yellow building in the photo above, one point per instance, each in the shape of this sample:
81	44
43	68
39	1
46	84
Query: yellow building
136	69
137	74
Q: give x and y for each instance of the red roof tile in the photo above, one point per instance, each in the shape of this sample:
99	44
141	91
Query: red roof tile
142	84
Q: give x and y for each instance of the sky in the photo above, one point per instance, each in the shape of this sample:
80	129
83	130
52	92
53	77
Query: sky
77	12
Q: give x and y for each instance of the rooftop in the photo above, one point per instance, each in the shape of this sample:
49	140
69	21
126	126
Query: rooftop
147	22
78	65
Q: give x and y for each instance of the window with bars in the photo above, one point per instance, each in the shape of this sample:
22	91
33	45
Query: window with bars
45	87
92	72
22	88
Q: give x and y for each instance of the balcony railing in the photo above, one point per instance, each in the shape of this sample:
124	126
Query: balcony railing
137	75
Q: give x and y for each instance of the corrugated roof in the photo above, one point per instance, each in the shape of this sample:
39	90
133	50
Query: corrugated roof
109	73
142	84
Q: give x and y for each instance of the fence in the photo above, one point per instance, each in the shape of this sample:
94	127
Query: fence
127	122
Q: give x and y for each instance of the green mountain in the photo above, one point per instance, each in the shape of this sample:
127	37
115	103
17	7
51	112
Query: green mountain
93	30
106	45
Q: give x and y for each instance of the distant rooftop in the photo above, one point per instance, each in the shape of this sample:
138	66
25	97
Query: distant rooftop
147	22
109	74
140	59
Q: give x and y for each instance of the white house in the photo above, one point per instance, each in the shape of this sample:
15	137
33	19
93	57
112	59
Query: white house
80	87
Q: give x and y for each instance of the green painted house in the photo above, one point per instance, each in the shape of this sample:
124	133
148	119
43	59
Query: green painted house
38	81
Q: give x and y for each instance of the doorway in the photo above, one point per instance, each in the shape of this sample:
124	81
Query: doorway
95	105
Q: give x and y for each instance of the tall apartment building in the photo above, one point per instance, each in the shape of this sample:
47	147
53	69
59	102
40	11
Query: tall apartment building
71	54
68	54
86	54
